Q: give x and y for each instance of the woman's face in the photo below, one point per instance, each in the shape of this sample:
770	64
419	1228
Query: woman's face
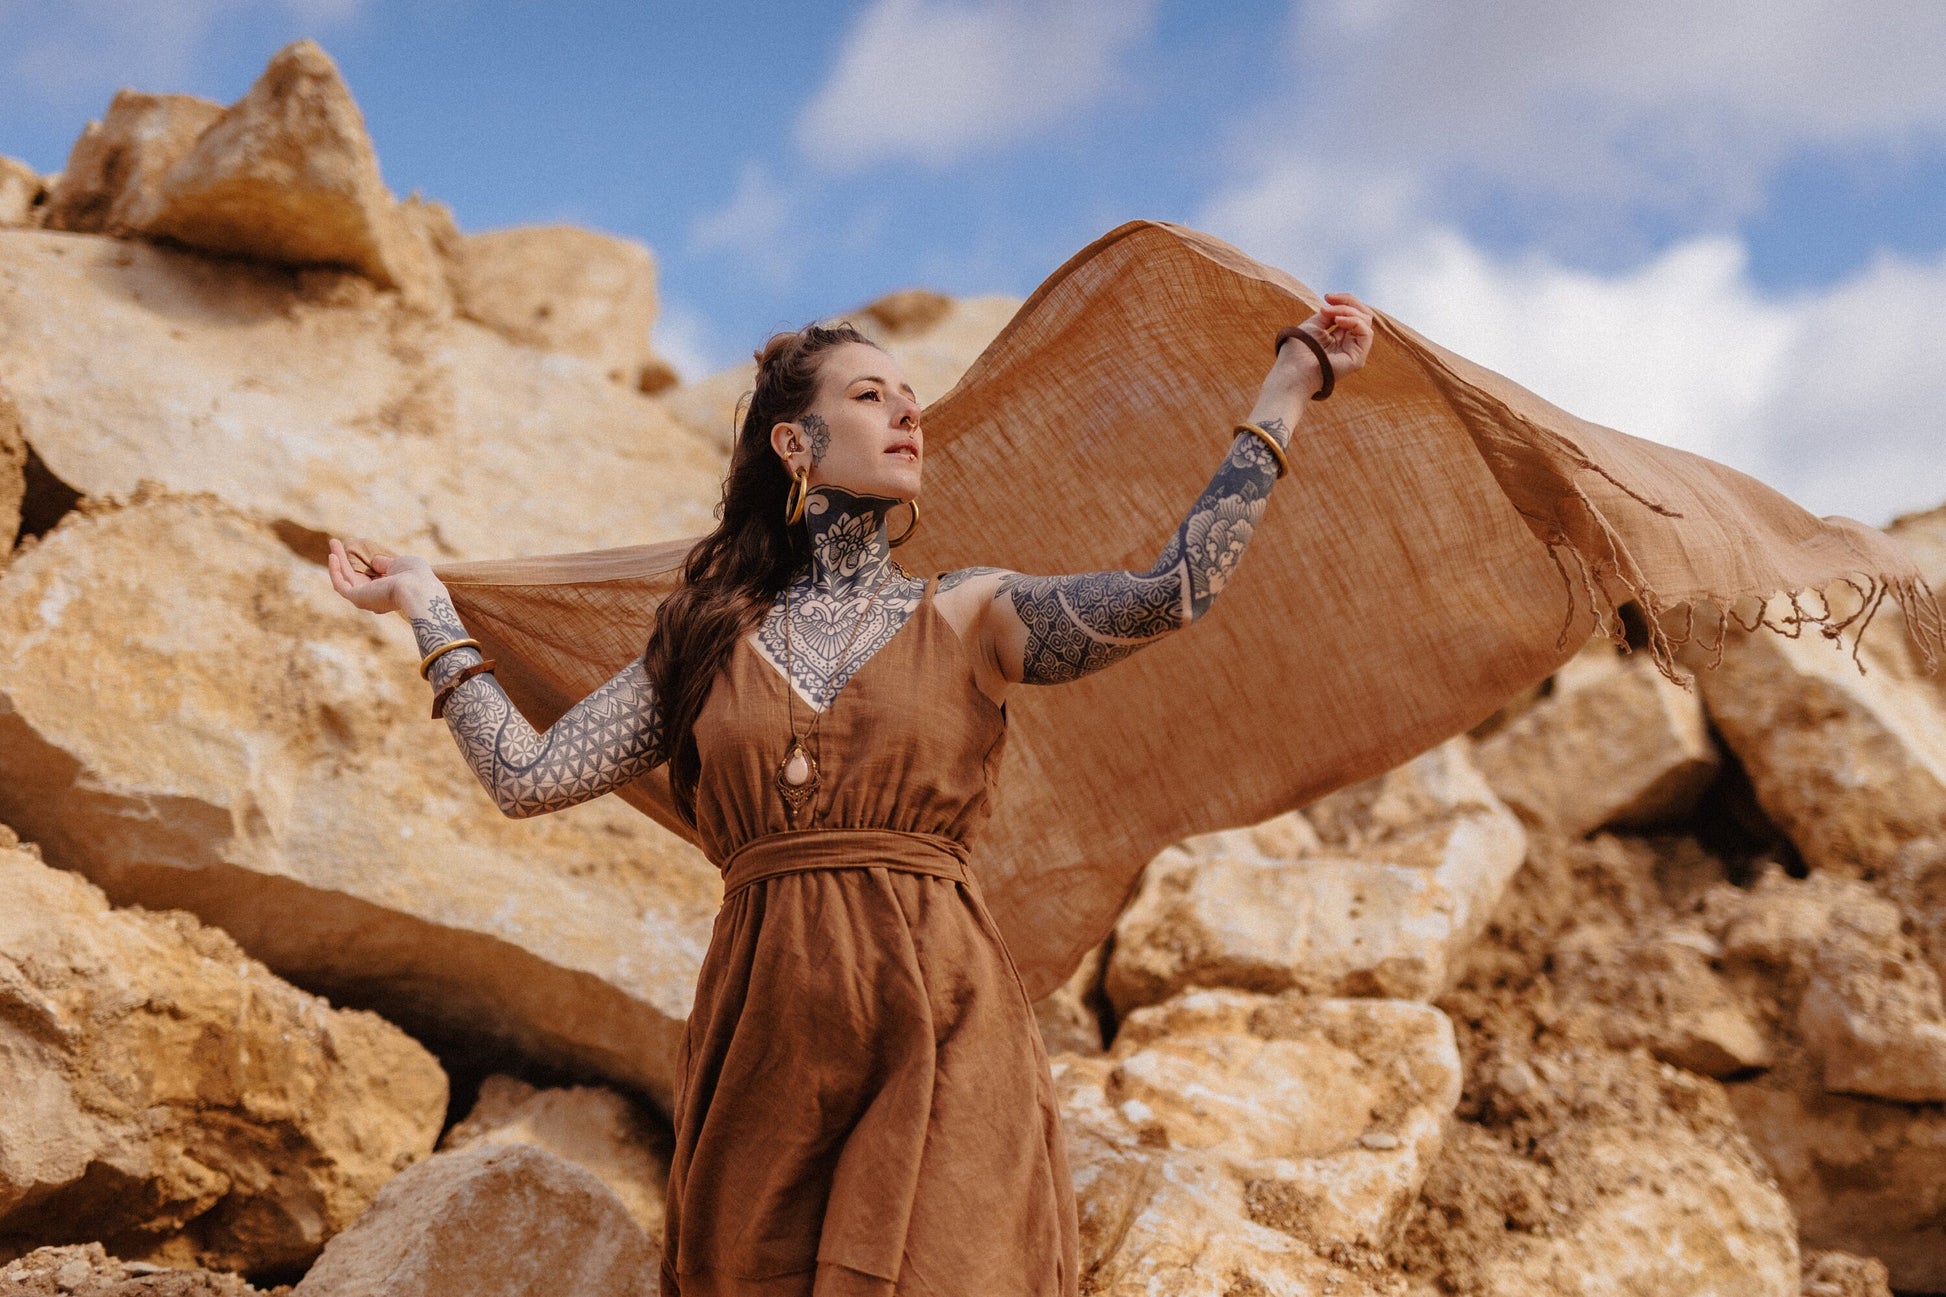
862	430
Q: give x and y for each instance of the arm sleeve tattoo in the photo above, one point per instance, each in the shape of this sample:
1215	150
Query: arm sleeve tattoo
1081	623
602	742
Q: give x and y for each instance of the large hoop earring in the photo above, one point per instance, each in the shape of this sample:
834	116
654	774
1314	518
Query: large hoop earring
800	492
906	535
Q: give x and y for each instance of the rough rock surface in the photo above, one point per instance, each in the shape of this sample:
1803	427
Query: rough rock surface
13	460
113	181
492	1221
1613	742
1851	765
191	717
1840	1274
287	174
1231	1138
1850	1119
562	288
595	1128
1578	1167
167	1095
313	400
1373	891
86	1270
20	189
933	338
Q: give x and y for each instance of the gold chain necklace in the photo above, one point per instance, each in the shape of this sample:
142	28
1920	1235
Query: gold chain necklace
797	773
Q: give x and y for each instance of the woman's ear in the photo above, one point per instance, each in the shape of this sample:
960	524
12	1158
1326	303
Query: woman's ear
787	439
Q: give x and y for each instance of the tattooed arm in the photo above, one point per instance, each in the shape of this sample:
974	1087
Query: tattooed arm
602	742
1052	629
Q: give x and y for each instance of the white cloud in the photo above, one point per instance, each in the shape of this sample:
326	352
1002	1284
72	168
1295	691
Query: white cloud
1665	103
935	80
1593	123
1835	397
756	225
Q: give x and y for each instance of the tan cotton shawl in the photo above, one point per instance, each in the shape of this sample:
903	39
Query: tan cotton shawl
1445	538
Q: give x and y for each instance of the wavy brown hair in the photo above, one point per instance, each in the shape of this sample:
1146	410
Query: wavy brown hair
734	573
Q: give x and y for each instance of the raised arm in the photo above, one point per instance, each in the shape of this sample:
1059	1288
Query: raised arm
1052	629
602	742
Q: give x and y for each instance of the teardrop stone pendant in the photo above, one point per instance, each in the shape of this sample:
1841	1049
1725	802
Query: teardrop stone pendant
797	778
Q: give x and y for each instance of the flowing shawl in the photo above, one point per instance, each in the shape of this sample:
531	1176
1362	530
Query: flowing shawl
1445	539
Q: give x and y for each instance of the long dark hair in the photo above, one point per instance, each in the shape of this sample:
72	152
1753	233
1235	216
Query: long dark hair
735	572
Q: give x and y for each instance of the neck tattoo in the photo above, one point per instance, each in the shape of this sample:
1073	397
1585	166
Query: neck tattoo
828	622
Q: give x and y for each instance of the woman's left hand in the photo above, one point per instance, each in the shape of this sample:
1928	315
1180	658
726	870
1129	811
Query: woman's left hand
1345	326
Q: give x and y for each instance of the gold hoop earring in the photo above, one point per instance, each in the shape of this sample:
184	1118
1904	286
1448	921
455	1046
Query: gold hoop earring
800	492
906	535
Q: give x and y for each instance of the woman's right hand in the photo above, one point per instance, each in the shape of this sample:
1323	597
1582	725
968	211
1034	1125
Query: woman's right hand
378	580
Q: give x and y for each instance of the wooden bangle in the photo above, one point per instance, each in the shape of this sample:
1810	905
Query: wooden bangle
1303	335
1276	451
425	663
460	677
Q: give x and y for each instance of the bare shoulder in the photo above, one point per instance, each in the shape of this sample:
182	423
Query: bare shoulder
965	594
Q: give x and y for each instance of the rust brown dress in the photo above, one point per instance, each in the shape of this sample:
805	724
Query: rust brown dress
864	1103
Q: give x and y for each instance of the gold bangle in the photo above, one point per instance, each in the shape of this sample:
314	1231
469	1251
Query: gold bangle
425	663
1276	451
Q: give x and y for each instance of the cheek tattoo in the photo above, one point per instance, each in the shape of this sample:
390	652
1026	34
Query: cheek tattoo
820	436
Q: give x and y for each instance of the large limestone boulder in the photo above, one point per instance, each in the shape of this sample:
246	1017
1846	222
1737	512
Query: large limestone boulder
13	482
1373	891
86	1270
593	1127
934	338
492	1221
287	174
1613	742
192	718
21	189
1851	764
164	1093
317	402
562	288
113	181
1231	1139
1852	1117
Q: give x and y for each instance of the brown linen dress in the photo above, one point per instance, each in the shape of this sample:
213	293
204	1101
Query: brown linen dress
864	1104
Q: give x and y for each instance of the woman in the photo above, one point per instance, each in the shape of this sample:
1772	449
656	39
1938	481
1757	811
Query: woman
865	1106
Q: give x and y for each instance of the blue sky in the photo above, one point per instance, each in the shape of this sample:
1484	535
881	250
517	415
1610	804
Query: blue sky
1723	226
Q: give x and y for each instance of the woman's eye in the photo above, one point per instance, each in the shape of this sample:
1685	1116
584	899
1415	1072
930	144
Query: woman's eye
868	392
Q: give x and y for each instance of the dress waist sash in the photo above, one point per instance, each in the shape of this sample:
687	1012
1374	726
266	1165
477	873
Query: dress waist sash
798	850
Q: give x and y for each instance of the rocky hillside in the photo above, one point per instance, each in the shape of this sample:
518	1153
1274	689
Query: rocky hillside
1637	989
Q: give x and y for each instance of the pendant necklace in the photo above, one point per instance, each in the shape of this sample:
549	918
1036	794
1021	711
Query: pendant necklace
797	773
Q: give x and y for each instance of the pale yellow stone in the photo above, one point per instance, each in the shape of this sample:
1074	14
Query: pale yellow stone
1614	742
1230	1137
1376	894
20	188
163	1092
489	1221
330	408
597	1129
562	288
190	716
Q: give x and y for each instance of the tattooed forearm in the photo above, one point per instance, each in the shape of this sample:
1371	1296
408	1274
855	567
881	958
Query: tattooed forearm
604	741
1082	623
